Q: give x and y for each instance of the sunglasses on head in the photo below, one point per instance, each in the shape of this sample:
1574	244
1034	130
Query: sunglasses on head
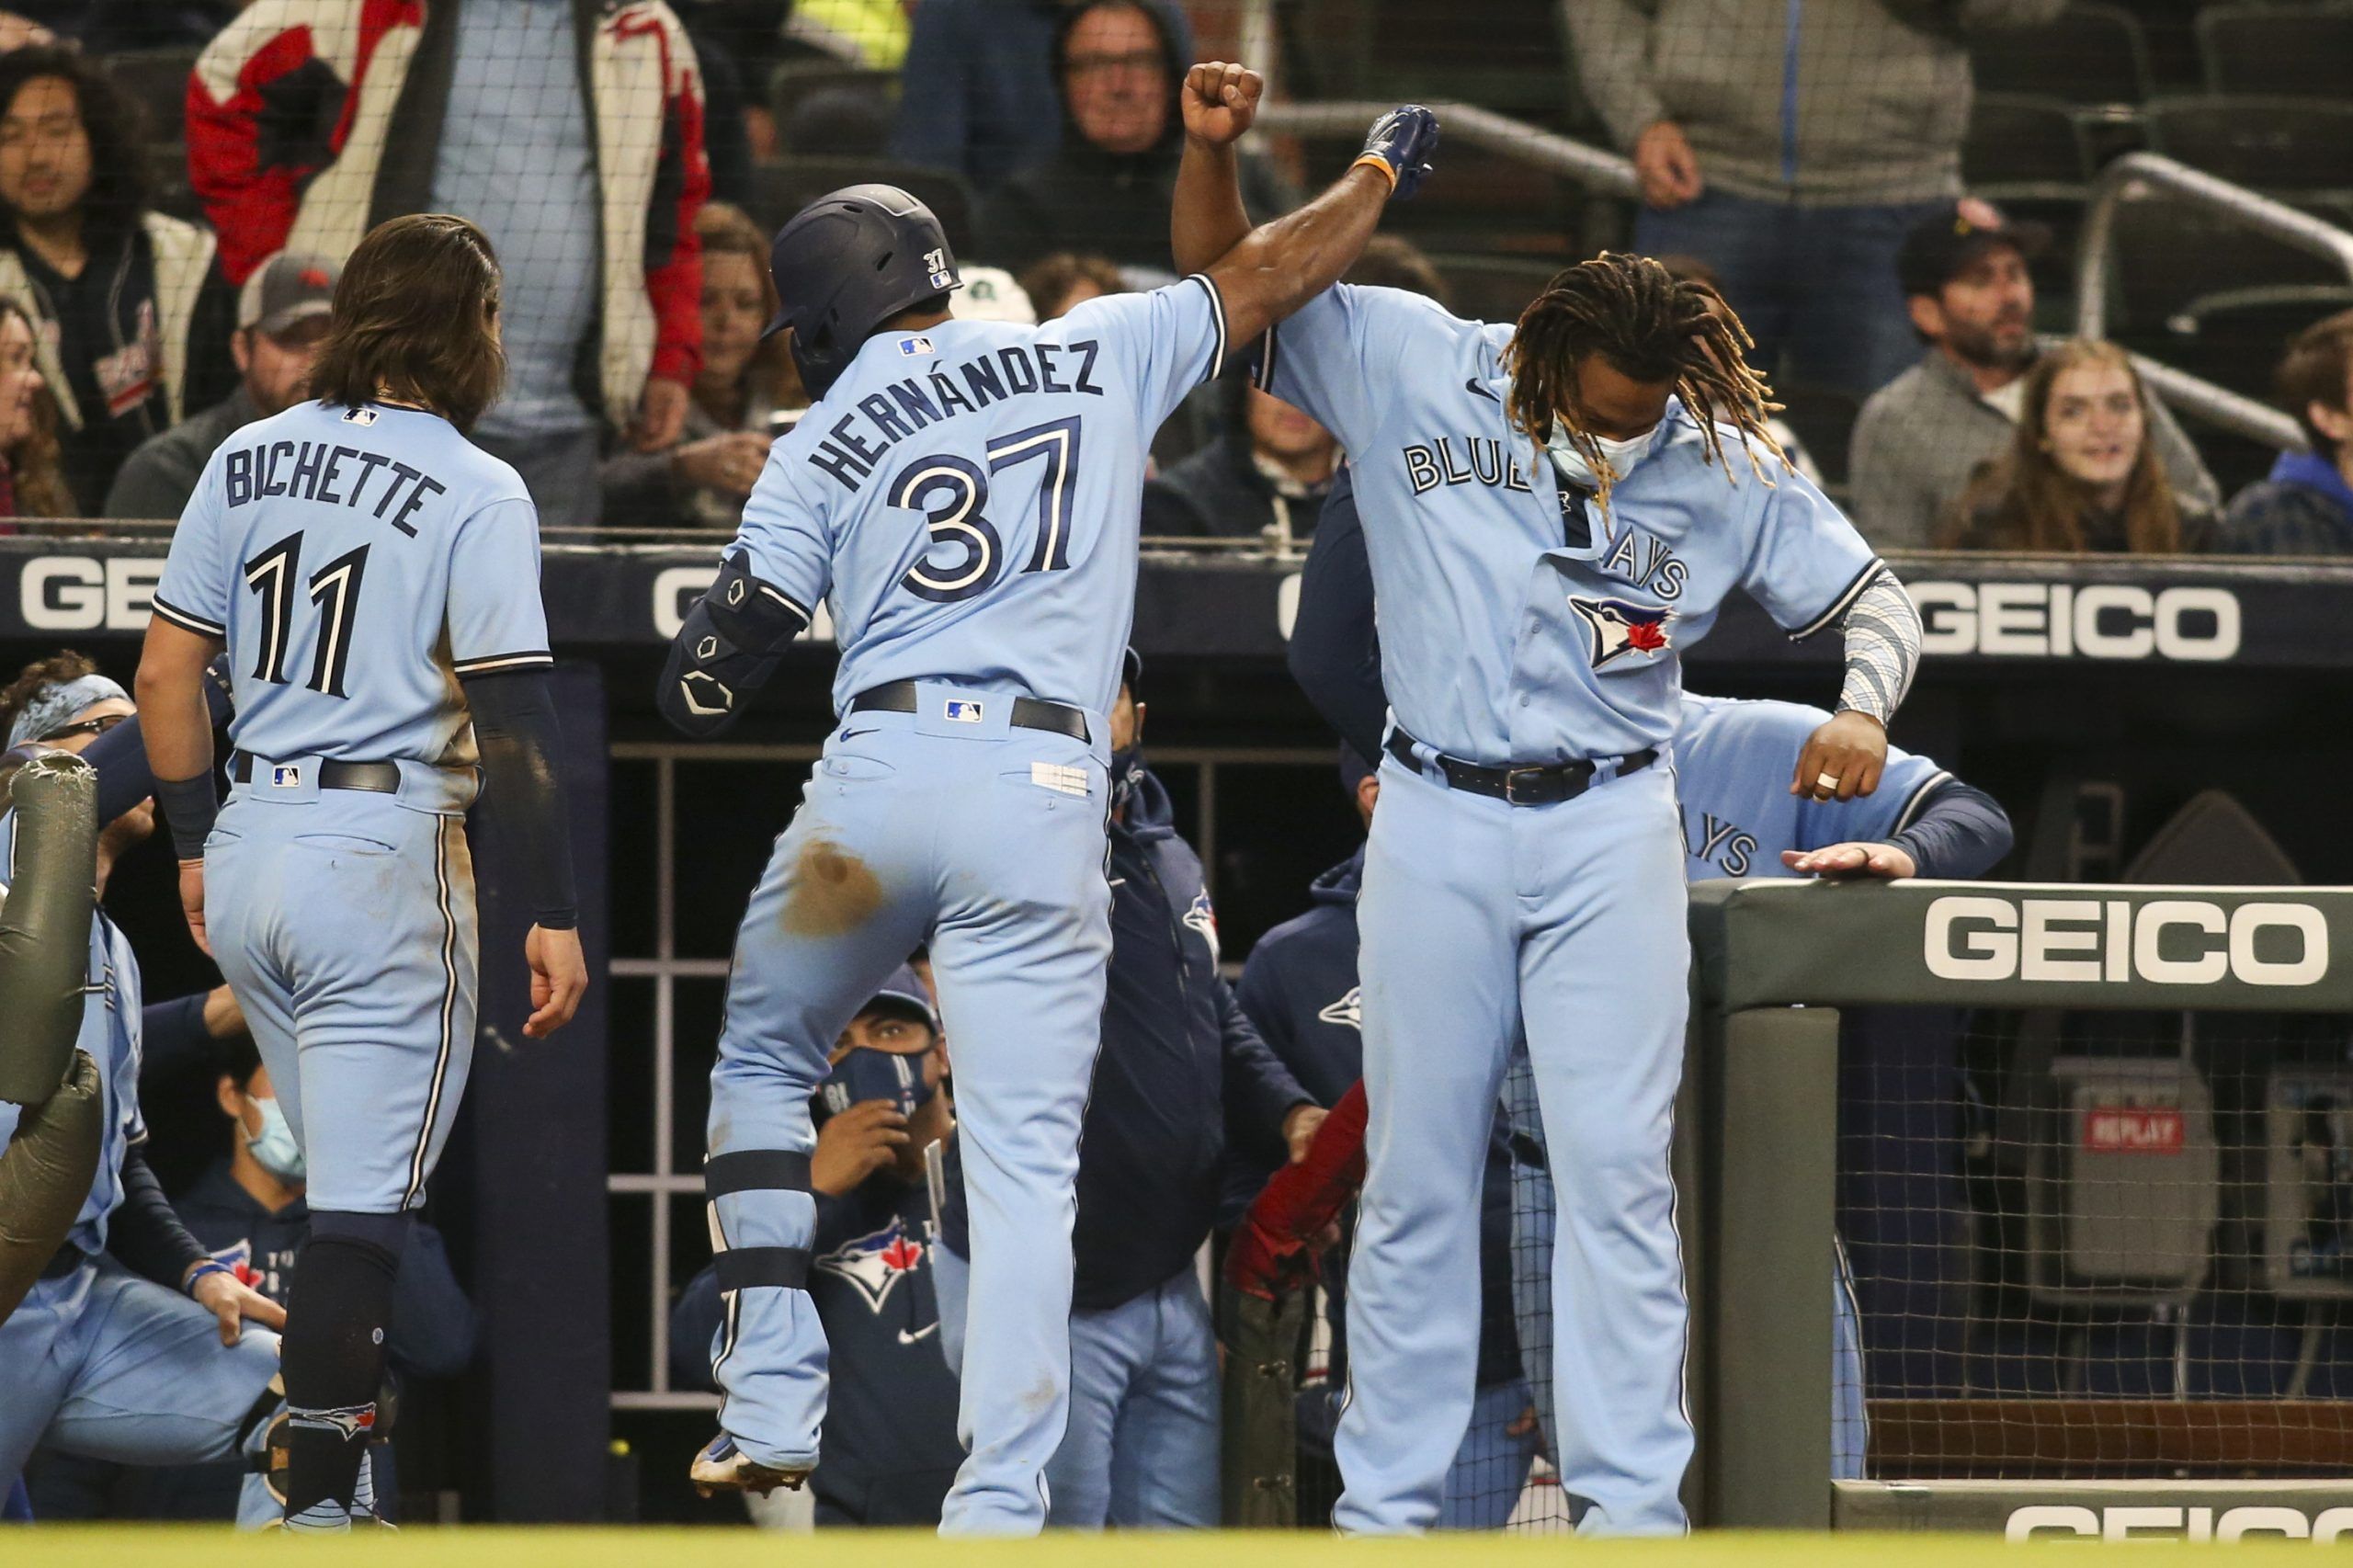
97	726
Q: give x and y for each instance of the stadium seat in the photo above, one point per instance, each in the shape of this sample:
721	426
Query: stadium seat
2167	255
2236	337
784	187
2023	147
2270	143
2301	50
2091	55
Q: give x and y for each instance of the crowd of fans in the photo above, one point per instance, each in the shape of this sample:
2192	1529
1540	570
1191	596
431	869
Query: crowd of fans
640	392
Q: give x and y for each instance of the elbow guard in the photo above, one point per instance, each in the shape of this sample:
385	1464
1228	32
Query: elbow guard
726	650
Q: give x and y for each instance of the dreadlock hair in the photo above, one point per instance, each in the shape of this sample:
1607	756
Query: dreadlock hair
1650	326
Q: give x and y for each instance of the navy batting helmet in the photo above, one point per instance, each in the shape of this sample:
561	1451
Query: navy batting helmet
845	263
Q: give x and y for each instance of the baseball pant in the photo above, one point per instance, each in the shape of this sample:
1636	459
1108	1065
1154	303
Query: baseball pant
1482	921
104	1364
343	921
1532	1219
1141	1449
988	842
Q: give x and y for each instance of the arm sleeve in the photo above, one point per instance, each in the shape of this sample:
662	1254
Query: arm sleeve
1956	830
1882	632
1159	345
144	1231
434	1326
1335	652
515	731
496	622
193	593
1807	565
2193	486
119	756
1612	39
1259	1090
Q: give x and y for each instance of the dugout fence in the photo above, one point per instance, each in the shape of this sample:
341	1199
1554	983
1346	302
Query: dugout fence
2093	1175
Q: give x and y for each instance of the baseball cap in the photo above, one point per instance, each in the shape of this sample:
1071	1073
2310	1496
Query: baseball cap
289	288
1941	247
904	994
991	294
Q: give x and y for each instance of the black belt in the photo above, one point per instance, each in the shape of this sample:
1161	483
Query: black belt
1029	713
1541	786
68	1259
377	777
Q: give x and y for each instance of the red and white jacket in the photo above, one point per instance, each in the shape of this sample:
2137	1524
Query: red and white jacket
290	111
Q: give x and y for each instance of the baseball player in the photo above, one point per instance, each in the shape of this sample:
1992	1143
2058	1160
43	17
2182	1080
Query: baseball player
375	578
1552	510
130	1346
965	496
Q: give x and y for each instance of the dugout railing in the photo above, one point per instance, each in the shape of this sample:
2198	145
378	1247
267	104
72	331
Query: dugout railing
1777	966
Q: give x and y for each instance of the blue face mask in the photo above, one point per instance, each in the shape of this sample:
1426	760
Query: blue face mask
274	1148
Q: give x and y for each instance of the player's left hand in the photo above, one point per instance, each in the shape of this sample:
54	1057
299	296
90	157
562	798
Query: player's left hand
1842	759
231	1301
1852	860
559	979
661	415
1299	1129
1221	101
192	902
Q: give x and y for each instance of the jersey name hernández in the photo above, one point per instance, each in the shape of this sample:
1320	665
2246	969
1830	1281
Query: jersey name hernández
904	407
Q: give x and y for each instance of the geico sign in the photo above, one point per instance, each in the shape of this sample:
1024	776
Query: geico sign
79	593
2045	1521
2095	620
2167	942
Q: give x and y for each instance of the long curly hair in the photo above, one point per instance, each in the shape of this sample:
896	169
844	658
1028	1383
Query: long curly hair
36	471
120	184
1652	326
2027	502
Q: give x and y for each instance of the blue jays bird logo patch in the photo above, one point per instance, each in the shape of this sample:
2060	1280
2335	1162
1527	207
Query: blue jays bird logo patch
1618	627
875	1262
1348	1010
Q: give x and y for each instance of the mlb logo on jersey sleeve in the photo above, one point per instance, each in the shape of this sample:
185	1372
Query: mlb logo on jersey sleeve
1615	628
912	346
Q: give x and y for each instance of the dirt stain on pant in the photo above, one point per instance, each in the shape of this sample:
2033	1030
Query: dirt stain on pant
834	893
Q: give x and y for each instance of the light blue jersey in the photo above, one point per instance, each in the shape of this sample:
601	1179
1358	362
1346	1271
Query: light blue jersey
1504	642
966	498
358	559
109	1036
1733	762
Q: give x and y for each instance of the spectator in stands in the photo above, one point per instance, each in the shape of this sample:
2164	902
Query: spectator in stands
33	485
126	321
2081	474
888	1451
1117	66
745	383
1181	1071
977	76
1791	147
573	134
1922	437
281	318
1266	474
2305	505
1065	279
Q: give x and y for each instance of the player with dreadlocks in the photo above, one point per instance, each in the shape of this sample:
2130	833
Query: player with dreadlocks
1552	511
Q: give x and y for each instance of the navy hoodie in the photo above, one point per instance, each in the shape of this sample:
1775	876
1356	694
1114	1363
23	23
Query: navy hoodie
1179	1065
1300	988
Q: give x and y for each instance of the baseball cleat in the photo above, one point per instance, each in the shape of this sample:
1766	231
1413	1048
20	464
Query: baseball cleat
724	1467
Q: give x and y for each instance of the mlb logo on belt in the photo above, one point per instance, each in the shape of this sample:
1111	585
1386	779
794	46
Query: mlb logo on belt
286	775
960	711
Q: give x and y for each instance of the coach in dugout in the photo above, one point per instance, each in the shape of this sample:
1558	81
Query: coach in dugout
1180	1071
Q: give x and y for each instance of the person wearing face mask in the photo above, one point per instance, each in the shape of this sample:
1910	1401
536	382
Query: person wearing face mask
700	480
890	1450
1181	1072
2081	473
246	1210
